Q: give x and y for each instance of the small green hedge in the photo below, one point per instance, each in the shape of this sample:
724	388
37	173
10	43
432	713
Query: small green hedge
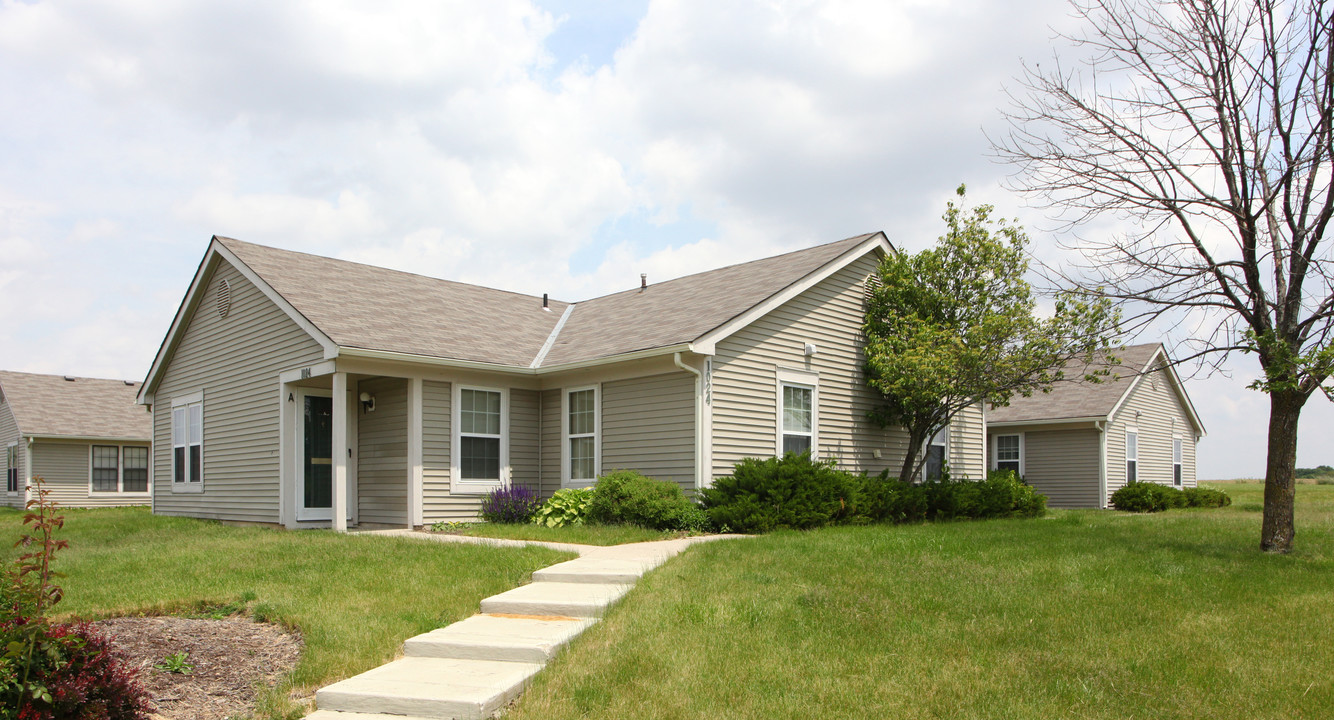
1145	497
625	497
797	492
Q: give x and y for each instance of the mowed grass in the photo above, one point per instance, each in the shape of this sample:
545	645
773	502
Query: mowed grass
1084	614
353	598
578	534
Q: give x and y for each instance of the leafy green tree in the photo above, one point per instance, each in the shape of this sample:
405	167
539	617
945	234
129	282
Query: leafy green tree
954	325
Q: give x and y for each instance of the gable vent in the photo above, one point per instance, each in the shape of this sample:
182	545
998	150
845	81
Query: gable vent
869	286
224	298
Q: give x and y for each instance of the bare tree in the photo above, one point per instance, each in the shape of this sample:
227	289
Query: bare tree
1208	128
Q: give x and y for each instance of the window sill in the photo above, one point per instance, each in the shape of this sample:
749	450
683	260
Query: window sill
113	493
188	488
474	487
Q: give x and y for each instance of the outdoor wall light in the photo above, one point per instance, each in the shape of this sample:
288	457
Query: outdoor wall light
810	349
367	402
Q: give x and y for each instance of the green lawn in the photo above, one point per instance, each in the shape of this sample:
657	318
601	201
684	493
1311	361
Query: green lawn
1084	614
354	598
579	534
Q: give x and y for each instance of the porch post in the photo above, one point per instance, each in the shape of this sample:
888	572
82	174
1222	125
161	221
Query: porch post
340	451
415	403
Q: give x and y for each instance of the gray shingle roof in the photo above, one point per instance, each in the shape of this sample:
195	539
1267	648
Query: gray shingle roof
362	306
373	308
1076	397
51	406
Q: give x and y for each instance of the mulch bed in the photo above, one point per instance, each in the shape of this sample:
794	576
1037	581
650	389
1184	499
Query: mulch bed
232	659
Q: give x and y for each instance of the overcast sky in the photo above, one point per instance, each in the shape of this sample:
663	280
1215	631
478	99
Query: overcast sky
548	146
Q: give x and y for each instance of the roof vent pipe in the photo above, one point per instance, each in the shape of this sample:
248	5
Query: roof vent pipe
643	282
546	305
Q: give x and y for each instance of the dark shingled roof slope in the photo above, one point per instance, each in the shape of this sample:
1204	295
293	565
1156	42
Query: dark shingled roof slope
362	306
373	308
1076	397
683	310
51	406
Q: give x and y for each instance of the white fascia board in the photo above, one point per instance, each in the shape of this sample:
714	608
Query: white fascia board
89	438
216	253
1051	421
708	342
511	369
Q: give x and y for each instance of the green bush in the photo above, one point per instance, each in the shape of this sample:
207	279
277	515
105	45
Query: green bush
625	497
888	499
793	491
1206	497
1001	495
1147	497
565	507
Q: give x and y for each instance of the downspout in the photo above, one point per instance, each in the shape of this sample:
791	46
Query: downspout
1102	463
27	470
699	418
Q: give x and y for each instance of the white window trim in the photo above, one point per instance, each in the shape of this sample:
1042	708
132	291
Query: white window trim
1126	469
945	456
457	485
995	451
19	484
120	473
1178	465
566	471
801	379
197	486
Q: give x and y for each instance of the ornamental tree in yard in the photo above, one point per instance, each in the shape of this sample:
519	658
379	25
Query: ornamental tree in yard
953	326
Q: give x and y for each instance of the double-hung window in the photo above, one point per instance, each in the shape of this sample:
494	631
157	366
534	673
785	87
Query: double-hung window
134	469
12	469
1007	453
481	455
106	468
581	435
1132	456
798	418
1176	462
937	449
187	442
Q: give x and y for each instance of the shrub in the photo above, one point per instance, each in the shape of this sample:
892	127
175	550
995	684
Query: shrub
1001	495
1147	497
625	497
1206	497
514	504
888	499
793	491
565	507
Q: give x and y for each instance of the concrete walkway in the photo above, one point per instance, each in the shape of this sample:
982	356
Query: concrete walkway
471	669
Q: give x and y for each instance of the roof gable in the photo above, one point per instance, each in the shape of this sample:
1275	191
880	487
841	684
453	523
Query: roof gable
1077	398
54	406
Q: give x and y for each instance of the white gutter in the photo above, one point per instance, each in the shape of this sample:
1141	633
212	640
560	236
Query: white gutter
1102	463
510	369
1056	421
699	418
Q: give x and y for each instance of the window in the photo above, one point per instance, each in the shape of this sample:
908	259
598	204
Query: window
798	419
581	435
481	457
1176	462
1007	453
187	442
12	469
134	469
106	468
1132	455
937	448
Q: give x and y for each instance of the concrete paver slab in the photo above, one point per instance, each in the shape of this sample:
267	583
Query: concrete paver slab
556	598
497	637
430	687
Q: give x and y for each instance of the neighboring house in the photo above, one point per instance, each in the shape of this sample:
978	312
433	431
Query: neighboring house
1083	441
291	384
88	439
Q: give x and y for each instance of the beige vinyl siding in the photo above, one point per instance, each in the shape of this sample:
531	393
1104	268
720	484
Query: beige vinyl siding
382	454
525	433
1160	413
65	466
745	395
436	503
9	433
235	361
967	432
648	424
551	442
1063	465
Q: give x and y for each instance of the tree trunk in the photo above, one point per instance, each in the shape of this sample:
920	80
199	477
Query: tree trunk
1277	530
